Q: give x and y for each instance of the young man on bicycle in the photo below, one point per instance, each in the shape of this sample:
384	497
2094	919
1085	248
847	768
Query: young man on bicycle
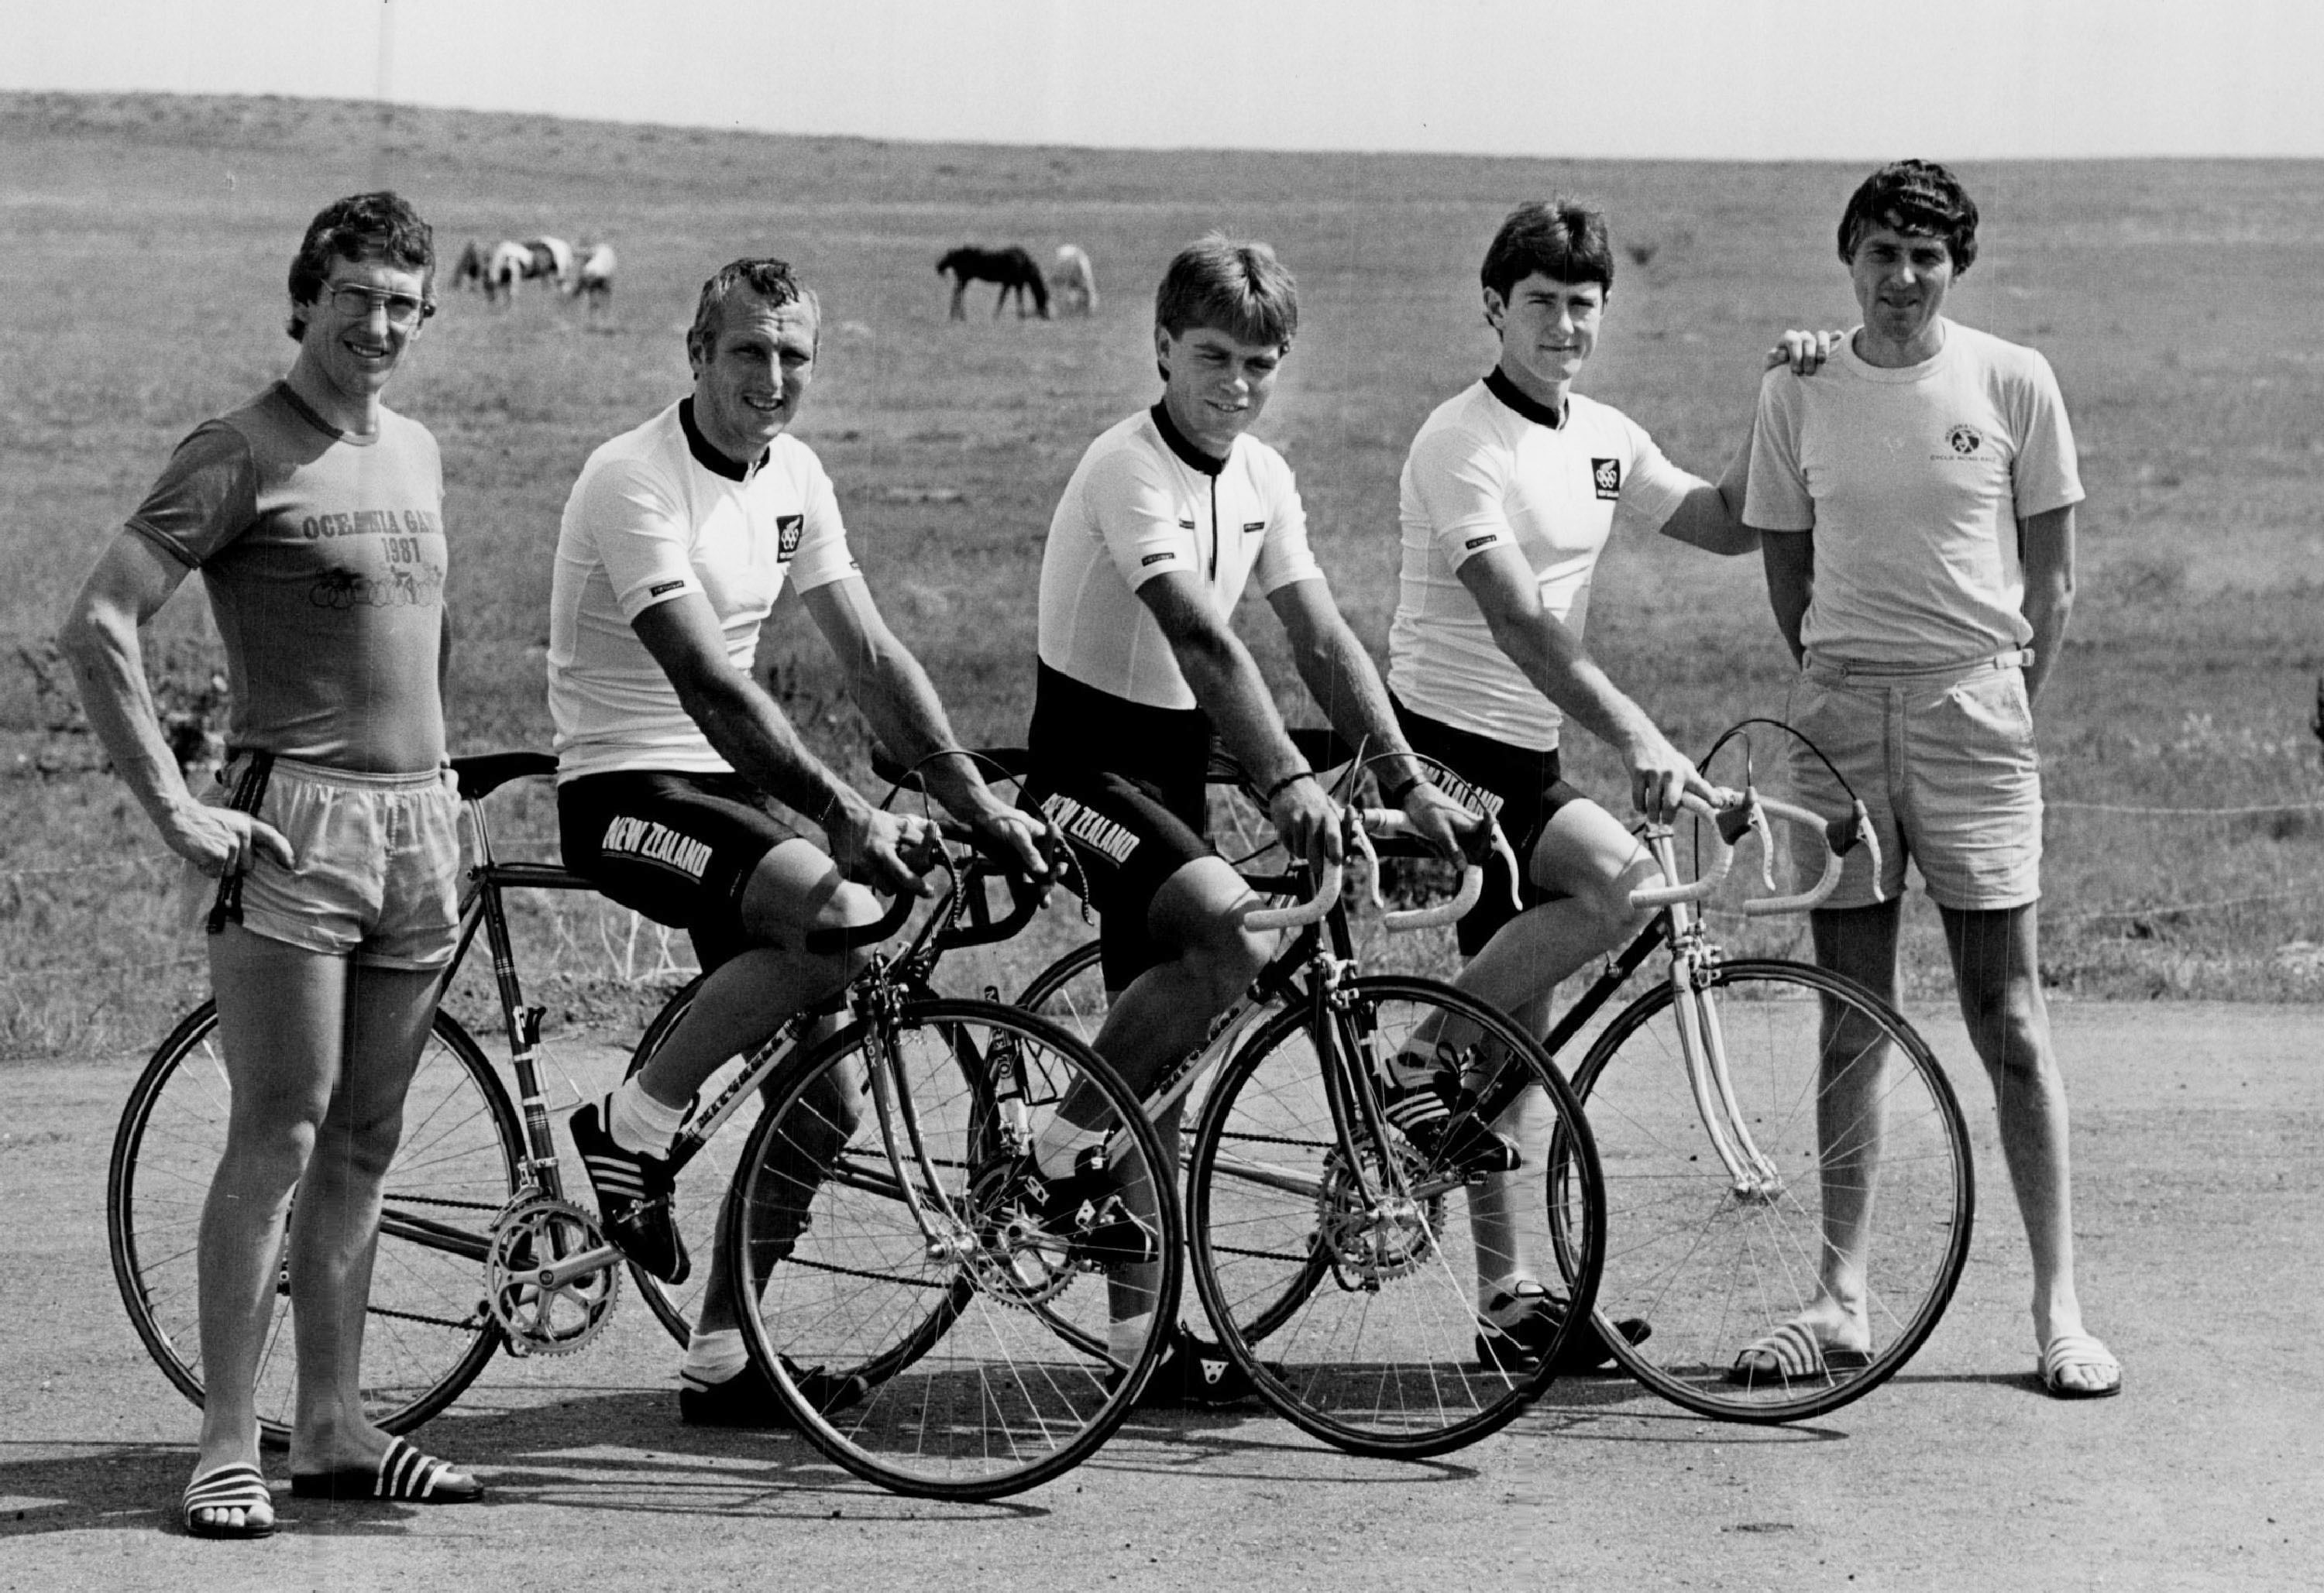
676	540
1915	501
1166	519
1508	495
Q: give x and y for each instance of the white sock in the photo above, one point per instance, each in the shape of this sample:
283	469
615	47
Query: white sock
1059	1142
639	1123
1517	1290
1125	1337
714	1357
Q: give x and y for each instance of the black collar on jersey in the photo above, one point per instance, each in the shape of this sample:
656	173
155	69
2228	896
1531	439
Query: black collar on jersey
708	458
306	411
1497	384
1194	458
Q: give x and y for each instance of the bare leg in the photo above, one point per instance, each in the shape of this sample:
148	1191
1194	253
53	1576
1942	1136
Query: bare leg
1996	966
827	1117
795	888
1165	1012
280	1016
1586	853
1859	942
335	1224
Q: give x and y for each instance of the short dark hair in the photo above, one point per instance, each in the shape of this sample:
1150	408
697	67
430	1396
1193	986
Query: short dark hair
380	225
1913	196
772	280
1559	238
1233	285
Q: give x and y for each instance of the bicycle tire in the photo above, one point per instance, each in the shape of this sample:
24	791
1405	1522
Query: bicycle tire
1356	1318
1071	993
1713	1267
427	1331
979	1370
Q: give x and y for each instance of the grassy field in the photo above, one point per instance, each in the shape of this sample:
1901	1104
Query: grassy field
144	249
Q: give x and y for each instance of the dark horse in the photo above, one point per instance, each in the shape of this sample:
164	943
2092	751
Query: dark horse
1012	268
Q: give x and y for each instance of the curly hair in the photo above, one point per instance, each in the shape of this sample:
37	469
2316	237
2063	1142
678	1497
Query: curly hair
772	280
380	225
1913	196
1557	238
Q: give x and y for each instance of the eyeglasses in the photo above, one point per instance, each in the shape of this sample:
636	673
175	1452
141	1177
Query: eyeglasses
355	302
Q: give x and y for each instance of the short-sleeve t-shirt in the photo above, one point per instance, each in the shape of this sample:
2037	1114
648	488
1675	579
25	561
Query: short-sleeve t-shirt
658	513
1913	480
1488	470
324	557
1143	502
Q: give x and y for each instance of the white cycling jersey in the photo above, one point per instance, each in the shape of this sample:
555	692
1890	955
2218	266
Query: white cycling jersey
658	513
1143	502
1488	469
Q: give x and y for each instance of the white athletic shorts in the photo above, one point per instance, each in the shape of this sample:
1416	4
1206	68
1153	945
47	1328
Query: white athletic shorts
1944	761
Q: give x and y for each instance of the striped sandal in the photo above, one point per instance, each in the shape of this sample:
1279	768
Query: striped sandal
403	1476
236	1486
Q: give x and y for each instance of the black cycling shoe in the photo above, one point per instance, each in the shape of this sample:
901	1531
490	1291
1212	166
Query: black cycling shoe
1518	1346
1439	1118
1085	1210
747	1399
1193	1376
633	1198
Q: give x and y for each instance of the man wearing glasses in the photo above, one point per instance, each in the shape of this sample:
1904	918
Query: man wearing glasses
314	515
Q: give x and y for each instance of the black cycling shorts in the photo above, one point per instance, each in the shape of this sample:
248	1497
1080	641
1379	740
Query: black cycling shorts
1127	786
1518	786
679	848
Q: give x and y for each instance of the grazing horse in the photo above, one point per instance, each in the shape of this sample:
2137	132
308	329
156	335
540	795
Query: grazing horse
1012	268
593	279
549	258
1073	282
505	266
470	272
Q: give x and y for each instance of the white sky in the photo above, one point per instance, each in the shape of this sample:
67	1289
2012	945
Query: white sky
1953	79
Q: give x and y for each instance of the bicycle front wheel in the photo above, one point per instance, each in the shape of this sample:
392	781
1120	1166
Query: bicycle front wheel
1071	993
426	1332
933	1328
1848	1229
1342	1268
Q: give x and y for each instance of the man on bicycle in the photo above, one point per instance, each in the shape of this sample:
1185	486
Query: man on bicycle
676	540
1916	503
1168	515
1509	493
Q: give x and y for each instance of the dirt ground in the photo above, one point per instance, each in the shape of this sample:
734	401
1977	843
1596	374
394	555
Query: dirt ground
2199	1151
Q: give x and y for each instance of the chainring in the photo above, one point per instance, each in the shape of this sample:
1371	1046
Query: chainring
1368	1242
1015	1260
547	1318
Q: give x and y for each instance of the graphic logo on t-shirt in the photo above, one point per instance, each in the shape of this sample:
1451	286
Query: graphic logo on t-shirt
788	528
1487	540
659	587
1606	476
1155	558
1964	440
1250	526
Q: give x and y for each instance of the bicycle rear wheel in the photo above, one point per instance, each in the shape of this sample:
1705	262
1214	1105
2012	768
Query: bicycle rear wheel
1715	1264
967	1345
1348	1289
427	1333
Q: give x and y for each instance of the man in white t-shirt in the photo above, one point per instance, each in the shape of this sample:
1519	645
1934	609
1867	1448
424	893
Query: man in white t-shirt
1510	491
1165	521
677	539
1916	502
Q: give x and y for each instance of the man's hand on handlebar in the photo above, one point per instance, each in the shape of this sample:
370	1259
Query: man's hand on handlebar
1660	774
1307	821
1013	837
1444	824
888	851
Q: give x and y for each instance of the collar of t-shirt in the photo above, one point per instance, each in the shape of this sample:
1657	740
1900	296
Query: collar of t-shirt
1194	458
307	413
708	458
1497	384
